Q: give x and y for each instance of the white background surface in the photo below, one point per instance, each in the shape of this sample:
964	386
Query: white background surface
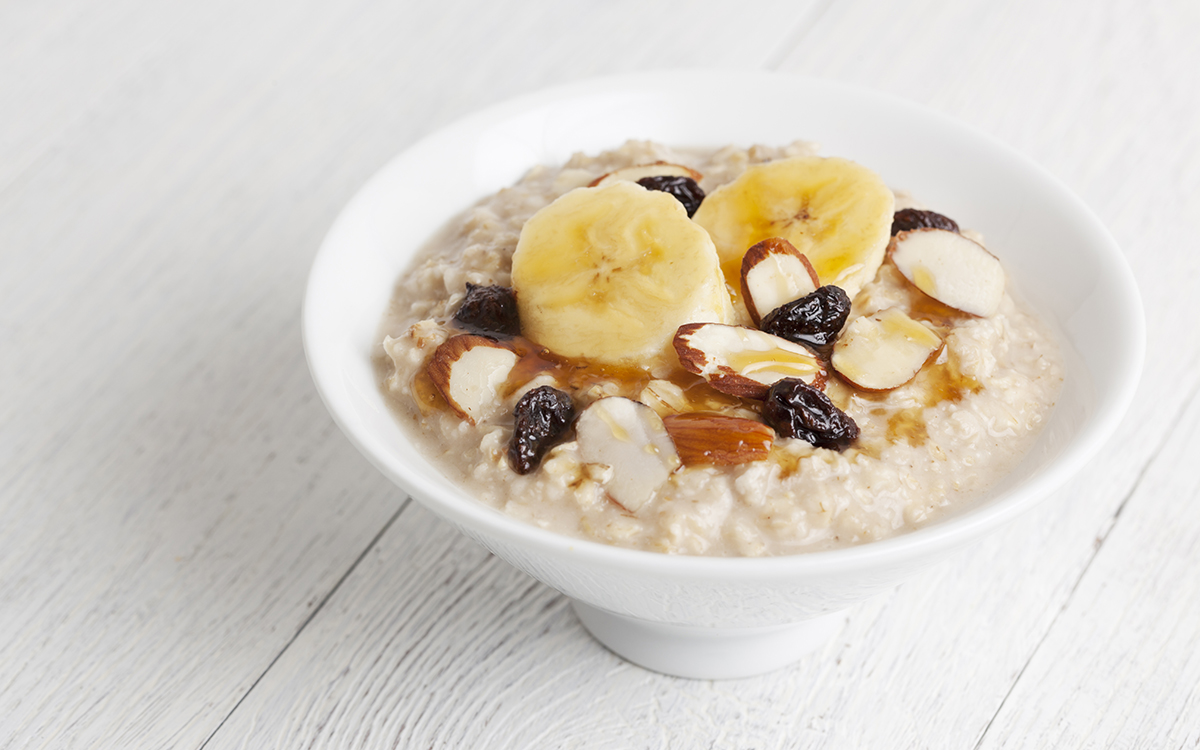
192	555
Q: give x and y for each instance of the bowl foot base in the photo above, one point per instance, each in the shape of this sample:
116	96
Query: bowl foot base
706	653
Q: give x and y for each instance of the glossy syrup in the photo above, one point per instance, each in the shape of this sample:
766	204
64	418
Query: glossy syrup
580	376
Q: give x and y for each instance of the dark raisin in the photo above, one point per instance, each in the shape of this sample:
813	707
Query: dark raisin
907	219
685	190
540	419
489	309
796	409
813	320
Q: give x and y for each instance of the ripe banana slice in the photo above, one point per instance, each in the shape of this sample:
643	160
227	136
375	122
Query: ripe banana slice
610	273
835	212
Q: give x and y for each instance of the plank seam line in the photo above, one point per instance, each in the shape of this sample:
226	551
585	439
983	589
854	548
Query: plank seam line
307	620
808	21
1167	433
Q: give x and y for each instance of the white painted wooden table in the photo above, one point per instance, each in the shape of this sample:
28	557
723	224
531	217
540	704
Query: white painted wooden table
191	554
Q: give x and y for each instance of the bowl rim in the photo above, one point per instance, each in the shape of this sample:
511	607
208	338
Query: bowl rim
952	532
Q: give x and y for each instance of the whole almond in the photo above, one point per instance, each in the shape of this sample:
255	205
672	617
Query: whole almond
717	439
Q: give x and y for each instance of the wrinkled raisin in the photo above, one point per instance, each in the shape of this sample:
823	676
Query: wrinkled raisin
907	219
796	409
813	320
540	419
685	190
489	309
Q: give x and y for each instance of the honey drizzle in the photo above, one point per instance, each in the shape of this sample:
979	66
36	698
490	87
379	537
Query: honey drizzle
570	373
945	381
909	425
426	394
937	382
789	463
578	375
926	309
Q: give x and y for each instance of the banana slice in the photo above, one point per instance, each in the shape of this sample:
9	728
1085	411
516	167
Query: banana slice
610	273
837	213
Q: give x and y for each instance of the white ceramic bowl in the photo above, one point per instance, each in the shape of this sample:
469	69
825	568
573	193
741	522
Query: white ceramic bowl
720	617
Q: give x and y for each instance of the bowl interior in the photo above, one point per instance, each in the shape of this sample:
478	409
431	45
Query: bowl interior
1059	255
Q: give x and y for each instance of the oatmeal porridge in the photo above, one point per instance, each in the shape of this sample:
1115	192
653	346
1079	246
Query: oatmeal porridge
733	352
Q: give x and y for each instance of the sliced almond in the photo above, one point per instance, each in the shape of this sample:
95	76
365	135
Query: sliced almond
470	372
718	439
640	171
631	439
884	351
774	273
664	397
951	268
744	361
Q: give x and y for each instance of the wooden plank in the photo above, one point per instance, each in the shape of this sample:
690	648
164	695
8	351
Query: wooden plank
928	665
178	502
414	652
1120	667
1056	96
424	641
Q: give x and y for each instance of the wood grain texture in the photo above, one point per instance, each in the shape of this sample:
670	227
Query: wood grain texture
181	503
178	505
1120	667
1116	120
508	666
934	663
